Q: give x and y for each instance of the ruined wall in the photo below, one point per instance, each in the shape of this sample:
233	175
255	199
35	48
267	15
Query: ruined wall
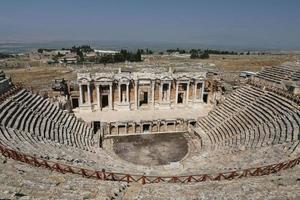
4	85
115	93
173	92
131	93
93	94
156	92
191	91
155	126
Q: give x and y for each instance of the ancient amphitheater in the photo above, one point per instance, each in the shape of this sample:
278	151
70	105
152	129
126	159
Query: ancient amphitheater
246	146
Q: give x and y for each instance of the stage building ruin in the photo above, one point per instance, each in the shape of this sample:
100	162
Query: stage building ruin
140	90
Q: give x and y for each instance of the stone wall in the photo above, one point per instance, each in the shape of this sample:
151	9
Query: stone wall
141	127
4	83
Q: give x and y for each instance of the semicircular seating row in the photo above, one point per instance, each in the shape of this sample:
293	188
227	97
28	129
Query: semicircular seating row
278	73
29	119
251	118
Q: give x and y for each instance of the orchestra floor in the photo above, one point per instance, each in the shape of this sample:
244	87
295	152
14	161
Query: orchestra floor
151	149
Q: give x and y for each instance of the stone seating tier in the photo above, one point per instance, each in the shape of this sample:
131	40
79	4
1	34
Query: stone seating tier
31	113
252	122
249	126
280	73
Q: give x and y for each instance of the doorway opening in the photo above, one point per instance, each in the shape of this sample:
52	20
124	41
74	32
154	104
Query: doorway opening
75	103
205	98
165	92
104	100
122	129
193	123
180	98
146	128
144	98
96	126
123	93
84	93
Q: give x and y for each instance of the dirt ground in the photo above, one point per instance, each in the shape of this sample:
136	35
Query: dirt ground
151	149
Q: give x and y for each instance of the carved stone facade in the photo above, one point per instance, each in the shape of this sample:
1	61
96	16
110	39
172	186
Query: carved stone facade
140	90
154	126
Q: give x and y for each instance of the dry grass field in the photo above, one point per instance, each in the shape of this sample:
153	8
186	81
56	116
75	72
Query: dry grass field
39	76
251	62
233	62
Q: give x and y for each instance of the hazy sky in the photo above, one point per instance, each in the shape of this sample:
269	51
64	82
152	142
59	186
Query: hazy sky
261	23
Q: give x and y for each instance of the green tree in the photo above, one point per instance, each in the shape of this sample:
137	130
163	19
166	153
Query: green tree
194	53
204	55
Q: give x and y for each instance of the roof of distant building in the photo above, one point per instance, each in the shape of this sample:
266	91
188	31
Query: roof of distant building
105	51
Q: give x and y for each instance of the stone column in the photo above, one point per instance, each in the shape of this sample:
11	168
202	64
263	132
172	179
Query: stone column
119	93
126	128
158	126
98	96
136	94
160	91
89	93
152	94
108	129
80	95
110	97
169	92
202	91
187	92
195	91
176	97
127	92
